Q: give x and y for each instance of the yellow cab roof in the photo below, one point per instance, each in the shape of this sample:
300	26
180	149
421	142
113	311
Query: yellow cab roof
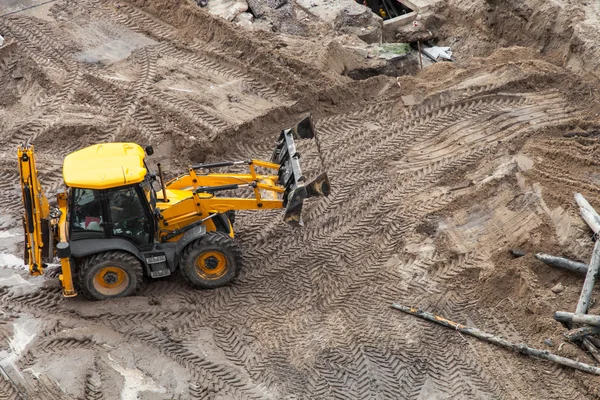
104	166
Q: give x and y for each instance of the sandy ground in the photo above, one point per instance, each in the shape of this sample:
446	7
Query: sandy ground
435	178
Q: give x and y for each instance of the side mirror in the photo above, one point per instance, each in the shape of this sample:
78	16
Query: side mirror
149	150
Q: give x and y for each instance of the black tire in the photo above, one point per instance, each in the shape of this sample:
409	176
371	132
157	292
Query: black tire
211	261
121	267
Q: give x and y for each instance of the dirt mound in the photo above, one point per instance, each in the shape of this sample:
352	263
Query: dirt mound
563	32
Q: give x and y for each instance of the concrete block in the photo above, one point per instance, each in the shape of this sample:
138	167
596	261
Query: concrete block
420	5
402	20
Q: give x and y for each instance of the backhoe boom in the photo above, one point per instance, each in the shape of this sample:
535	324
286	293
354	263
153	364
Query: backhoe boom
36	211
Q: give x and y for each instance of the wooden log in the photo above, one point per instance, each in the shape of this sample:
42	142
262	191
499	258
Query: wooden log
560	262
590	343
593	350
590	219
595	341
590	279
586	319
583	203
488	337
588	213
577	334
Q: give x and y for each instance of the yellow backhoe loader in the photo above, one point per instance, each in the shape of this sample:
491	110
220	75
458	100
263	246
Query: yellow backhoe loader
111	225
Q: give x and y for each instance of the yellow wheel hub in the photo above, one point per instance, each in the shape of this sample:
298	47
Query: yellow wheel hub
211	265
111	281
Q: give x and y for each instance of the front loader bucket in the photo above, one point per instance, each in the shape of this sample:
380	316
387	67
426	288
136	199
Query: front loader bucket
290	172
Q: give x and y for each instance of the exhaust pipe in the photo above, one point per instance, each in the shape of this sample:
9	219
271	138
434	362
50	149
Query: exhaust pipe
162	182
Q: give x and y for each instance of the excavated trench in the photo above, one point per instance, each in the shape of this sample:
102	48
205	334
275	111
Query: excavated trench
435	177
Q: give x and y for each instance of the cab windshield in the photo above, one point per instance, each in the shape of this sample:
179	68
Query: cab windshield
119	212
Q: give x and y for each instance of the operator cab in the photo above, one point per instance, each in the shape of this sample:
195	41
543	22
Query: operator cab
110	194
122	212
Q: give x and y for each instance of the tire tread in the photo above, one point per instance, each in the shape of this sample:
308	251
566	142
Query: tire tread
97	258
219	239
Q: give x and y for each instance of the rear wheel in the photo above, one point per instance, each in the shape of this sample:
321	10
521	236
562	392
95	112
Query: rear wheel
211	261
110	275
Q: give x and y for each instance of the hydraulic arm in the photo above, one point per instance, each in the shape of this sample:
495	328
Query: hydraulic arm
45	227
35	219
284	185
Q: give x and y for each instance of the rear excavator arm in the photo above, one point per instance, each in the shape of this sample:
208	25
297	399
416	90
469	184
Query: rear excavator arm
36	211
44	227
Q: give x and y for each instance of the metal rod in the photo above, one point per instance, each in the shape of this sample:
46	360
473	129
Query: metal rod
562	263
210	189
590	280
419	50
162	182
391	12
220	164
488	337
50	242
587	319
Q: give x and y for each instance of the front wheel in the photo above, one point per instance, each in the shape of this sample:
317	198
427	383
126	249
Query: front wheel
211	261
109	275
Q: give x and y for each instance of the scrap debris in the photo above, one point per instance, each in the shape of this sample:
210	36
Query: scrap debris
488	337
582	326
437	53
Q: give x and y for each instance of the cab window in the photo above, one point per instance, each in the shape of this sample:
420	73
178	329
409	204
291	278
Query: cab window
87	212
128	215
